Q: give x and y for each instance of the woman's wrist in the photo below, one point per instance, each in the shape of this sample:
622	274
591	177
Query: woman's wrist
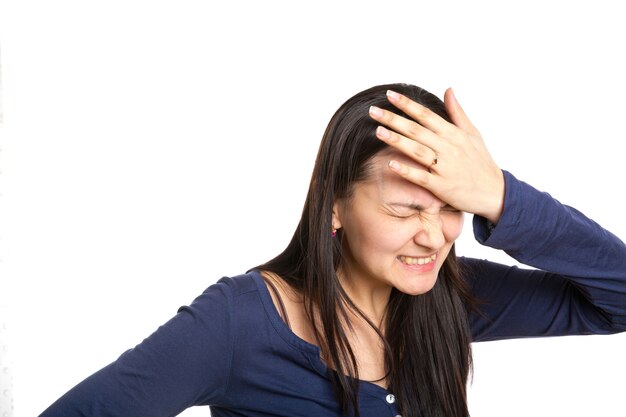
495	201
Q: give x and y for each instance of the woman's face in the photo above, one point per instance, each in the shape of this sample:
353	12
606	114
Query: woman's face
395	233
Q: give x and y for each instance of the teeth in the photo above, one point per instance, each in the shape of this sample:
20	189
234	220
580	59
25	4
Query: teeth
416	261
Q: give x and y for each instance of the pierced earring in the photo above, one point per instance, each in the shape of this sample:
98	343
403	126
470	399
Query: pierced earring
333	233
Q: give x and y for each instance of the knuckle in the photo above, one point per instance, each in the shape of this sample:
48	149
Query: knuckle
403	100
413	130
389	117
422	111
422	180
419	151
419	112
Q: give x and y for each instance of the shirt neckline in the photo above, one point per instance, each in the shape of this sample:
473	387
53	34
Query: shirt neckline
312	351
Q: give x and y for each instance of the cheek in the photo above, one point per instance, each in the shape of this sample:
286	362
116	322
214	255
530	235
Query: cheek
452	226
378	237
370	236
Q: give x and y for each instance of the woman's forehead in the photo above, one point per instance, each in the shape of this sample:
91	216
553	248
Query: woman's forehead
391	186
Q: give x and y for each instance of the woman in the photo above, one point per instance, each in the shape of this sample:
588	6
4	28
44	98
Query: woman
368	311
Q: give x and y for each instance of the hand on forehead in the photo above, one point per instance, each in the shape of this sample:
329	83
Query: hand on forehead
395	189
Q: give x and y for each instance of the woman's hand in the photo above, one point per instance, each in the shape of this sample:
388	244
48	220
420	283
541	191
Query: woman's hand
460	170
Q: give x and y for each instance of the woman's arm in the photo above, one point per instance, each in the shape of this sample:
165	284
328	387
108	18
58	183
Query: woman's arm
579	286
185	362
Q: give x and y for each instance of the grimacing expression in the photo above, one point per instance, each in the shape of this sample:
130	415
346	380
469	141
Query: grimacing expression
395	233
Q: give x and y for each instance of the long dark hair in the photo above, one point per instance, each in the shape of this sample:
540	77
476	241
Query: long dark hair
427	342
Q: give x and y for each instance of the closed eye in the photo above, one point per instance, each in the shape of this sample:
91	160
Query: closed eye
406	216
401	211
450	209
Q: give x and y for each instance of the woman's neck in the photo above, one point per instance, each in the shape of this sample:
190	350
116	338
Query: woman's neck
369	297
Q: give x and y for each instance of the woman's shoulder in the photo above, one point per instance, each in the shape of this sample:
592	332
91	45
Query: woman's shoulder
240	284
223	298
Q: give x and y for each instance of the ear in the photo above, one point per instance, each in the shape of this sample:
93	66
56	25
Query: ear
337	210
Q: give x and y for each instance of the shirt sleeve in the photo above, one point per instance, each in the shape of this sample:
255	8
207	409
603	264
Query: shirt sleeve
185	362
577	283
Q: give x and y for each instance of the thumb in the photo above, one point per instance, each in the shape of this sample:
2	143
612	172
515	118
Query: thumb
456	113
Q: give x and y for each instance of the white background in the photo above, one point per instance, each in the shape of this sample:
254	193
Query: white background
150	148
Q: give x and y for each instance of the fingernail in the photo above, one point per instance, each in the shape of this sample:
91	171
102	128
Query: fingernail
393	96
382	133
394	165
375	111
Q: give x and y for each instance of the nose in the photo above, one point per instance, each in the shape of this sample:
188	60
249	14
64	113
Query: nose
431	234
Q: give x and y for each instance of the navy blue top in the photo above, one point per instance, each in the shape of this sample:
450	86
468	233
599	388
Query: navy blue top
231	350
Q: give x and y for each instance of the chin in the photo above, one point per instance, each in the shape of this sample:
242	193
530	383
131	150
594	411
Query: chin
418	288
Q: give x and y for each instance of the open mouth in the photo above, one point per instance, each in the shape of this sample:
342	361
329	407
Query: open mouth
421	260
